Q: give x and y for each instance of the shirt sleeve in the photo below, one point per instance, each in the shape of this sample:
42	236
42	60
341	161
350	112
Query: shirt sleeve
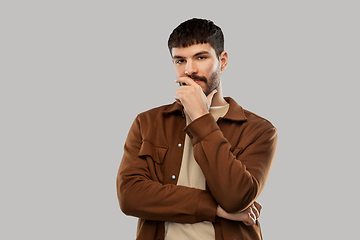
142	196
235	177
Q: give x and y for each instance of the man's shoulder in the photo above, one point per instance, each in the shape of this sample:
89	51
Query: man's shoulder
248	118
256	121
253	118
159	111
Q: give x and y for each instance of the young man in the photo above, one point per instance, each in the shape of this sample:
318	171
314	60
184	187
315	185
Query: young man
193	169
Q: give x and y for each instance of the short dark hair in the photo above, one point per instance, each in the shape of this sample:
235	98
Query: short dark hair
197	31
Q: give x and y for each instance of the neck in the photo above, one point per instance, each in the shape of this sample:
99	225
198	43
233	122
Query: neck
218	99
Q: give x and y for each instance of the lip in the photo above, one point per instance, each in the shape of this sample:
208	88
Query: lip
197	78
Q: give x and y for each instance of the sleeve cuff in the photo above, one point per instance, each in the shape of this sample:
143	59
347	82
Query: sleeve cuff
201	127
206	209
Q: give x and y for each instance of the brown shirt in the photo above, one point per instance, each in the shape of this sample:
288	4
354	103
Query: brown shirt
235	154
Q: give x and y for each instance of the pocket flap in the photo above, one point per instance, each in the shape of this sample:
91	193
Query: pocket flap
156	153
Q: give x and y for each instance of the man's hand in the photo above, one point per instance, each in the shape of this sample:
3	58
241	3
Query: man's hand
192	97
248	216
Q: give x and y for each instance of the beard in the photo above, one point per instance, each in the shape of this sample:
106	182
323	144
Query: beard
211	83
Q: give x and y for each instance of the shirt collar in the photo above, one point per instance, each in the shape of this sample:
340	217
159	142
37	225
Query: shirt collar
175	107
236	112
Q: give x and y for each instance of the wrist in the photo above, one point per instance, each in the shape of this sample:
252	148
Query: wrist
197	131
195	116
220	212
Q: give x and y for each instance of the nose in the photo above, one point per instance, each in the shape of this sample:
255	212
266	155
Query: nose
190	68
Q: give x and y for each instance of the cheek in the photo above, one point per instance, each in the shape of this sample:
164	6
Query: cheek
179	71
216	66
211	67
209	70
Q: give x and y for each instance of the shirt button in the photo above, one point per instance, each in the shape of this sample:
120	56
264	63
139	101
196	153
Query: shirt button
173	177
179	145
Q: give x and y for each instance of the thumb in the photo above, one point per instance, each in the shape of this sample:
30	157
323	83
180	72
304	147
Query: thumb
211	95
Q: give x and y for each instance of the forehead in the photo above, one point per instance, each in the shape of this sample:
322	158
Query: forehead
193	50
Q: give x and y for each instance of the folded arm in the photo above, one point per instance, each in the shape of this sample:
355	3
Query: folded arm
248	216
142	196
234	177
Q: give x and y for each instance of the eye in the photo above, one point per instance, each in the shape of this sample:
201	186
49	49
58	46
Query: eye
201	57
180	61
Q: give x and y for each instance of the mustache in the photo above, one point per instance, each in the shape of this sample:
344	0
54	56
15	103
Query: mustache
196	77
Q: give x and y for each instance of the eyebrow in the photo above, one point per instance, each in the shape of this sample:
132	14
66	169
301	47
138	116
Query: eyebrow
201	53
195	55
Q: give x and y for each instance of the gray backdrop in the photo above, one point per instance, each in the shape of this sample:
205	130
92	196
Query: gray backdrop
74	75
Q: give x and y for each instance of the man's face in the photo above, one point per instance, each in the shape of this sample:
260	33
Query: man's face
200	63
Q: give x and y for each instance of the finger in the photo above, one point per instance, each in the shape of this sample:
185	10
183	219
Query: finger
177	96
252	214
250	221
258	206
178	101
247	223
255	211
188	81
211	95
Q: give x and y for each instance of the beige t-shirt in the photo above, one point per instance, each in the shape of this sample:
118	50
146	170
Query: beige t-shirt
191	175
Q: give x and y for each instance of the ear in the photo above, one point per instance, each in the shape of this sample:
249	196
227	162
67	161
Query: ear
223	60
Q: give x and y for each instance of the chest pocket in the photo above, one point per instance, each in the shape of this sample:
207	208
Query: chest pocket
155	152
